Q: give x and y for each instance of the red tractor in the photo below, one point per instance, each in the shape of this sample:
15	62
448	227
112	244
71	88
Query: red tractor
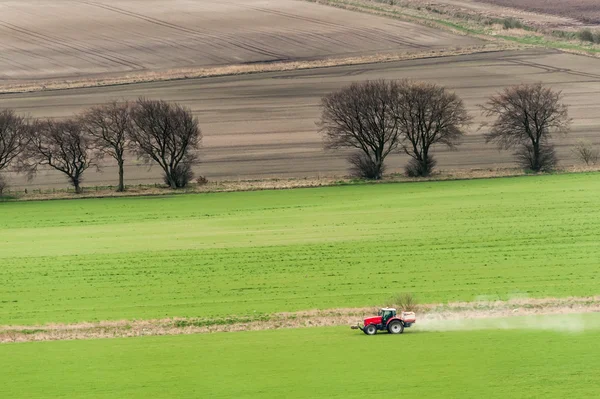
387	319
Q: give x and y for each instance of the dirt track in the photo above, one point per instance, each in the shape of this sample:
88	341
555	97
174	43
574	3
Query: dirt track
263	125
48	39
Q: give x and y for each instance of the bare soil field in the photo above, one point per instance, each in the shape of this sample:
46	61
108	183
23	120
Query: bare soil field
587	11
263	125
61	39
497	9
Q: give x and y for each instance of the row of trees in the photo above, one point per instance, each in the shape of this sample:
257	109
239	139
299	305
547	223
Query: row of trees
378	118
155	131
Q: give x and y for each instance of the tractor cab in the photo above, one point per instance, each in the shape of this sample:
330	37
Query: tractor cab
386	314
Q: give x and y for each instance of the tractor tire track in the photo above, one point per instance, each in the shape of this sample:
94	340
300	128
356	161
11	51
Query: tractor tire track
375	35
551	69
157	22
77	48
97	39
30	39
231	39
11	61
29	54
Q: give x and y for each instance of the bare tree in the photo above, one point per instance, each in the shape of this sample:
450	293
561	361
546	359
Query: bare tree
362	116
108	125
167	134
526	118
586	153
13	137
427	115
63	146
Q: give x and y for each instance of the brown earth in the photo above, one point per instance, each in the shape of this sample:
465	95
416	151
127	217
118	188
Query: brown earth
538	17
587	11
65	39
434	317
25	86
262	126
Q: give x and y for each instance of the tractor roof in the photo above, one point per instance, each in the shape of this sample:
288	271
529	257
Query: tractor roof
392	309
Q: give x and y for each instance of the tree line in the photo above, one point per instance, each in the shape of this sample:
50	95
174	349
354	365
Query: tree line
376	118
155	131
379	118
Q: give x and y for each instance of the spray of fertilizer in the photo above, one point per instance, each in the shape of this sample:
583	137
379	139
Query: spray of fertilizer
569	323
568	315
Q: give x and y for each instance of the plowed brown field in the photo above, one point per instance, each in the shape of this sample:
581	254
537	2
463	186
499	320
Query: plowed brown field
583	10
481	9
263	125
56	39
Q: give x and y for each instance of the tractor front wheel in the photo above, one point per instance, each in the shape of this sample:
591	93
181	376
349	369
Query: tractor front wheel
396	327
370	329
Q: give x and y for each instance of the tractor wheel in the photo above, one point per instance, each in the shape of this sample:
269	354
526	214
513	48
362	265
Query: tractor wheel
396	327
370	329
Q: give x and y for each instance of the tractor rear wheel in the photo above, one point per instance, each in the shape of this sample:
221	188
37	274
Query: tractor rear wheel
370	329
396	327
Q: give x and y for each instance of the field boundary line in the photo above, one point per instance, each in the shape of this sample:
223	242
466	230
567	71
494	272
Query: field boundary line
227	186
431	315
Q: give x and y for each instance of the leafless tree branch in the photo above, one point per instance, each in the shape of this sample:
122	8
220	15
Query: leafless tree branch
61	145
428	115
108	126
168	135
14	137
586	152
362	116
527	116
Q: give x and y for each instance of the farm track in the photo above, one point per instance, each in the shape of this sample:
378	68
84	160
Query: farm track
434	317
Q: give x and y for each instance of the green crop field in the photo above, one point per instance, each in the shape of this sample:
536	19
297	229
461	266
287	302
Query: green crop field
263	252
312	363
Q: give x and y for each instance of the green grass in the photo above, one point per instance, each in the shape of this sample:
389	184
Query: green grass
549	43
262	252
311	363
413	16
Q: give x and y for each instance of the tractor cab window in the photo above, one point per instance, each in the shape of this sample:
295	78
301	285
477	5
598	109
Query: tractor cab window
386	314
